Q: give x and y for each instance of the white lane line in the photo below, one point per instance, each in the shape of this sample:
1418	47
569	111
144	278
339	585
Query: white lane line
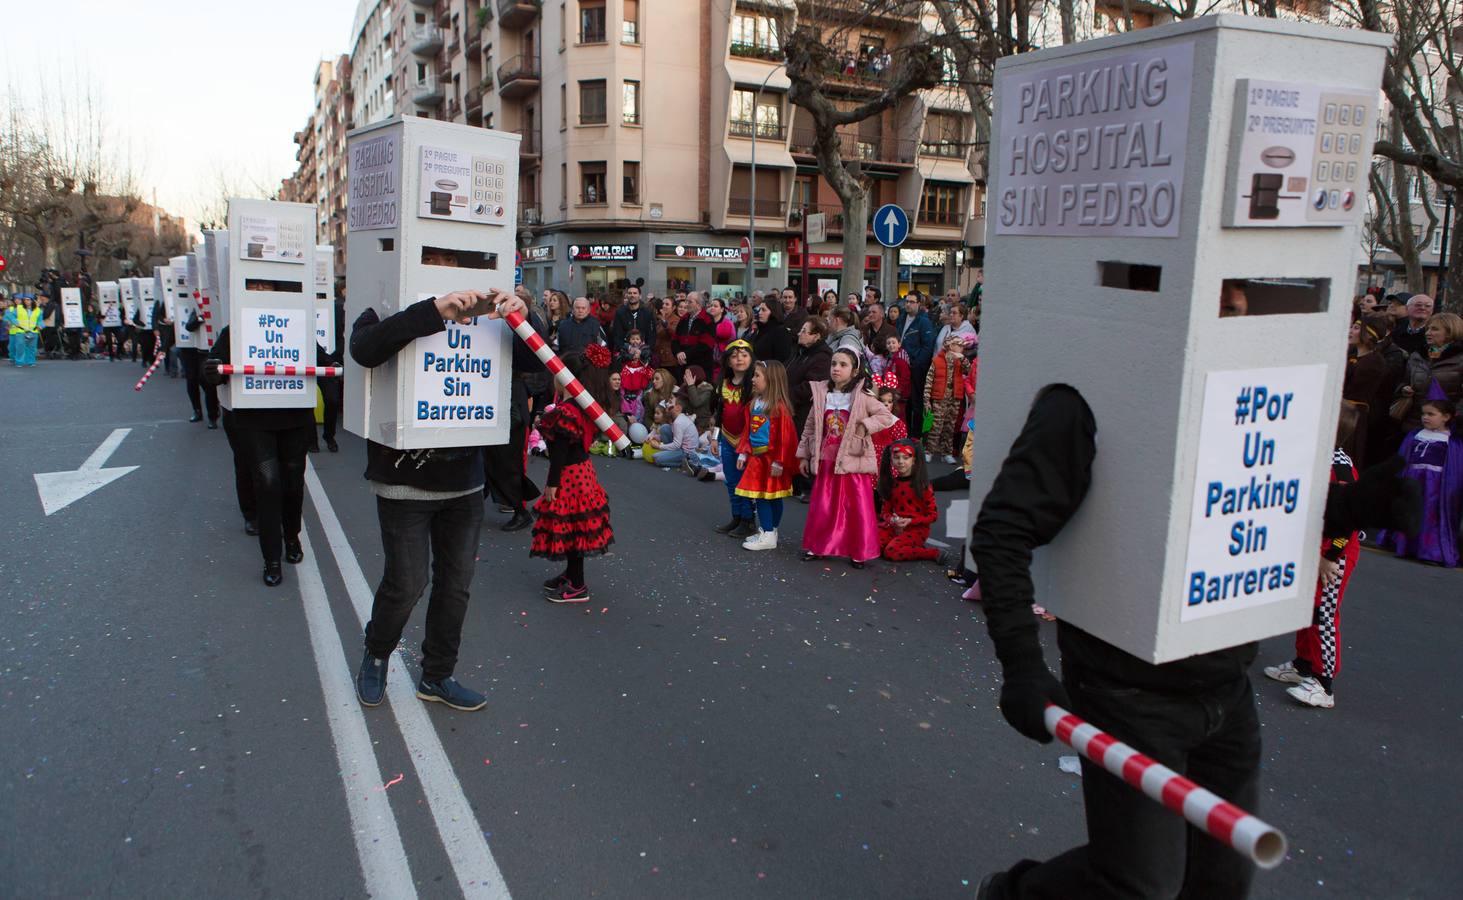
462	837
378	842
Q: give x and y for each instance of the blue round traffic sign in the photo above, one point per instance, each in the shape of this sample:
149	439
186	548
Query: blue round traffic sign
891	225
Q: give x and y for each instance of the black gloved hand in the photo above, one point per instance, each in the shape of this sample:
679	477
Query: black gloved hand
1024	697
1380	498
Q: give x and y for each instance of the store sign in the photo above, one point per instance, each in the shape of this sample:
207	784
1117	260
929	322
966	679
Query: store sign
827	261
1096	148
915	257
538	254
699	253
603	252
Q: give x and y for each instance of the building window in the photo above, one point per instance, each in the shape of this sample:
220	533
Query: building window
592	102
769	192
1437	247
942	135
942	204
630	24
488	120
592	183
591	22
563	24
630	189
769	114
756	36
630	103
563	107
563	185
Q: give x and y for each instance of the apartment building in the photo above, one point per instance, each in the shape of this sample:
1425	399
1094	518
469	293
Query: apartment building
638	165
371	85
320	173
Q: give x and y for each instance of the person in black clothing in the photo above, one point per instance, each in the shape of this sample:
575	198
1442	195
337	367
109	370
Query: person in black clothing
431	510
505	466
162	329
332	390
772	340
273	443
1410	333
144	339
243	472
633	315
1195	715
191	361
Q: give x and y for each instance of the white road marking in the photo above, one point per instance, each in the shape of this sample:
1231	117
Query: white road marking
384	865
462	837
59	490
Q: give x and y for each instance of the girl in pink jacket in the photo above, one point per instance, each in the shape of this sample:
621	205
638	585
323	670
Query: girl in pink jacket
837	448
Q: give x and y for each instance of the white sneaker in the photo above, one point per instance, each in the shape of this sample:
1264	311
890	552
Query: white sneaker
1310	692
762	540
1286	672
927	457
948	460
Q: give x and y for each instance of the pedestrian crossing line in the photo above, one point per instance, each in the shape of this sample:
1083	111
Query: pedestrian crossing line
384	866
467	850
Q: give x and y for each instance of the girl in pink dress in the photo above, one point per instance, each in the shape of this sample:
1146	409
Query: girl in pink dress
837	448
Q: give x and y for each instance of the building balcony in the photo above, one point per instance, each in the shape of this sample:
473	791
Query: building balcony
870	149
930	218
453	109
529	213
517	13
756	51
943	149
428	4
518	77
425	40
474	100
444	13
531	146
766	131
474	41
427	91
767	207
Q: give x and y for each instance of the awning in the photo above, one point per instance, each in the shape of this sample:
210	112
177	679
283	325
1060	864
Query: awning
769	153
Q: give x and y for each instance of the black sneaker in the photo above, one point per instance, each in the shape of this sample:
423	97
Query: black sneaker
745	529
293	552
273	574
213	424
371	680
448	691
556	584
521	520
569	594
196	417
331	445
250	528
729	527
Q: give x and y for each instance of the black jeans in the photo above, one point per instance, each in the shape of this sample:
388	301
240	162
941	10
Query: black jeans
1135	847
419	537
243	471
277	461
505	470
915	406
332	392
146	341
192	361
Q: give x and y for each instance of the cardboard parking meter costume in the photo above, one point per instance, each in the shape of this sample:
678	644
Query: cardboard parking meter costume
325	296
164	283
204	289
431	211
71	314
109	298
271	302
1137	179
185	292
145	290
127	290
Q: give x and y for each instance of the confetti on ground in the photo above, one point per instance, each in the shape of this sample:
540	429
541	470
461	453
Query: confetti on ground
397	780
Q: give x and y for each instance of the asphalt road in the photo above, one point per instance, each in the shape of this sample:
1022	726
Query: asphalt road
714	724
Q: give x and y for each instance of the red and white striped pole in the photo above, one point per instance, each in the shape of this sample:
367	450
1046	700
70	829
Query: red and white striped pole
1208	812
271	369
148	374
206	314
568	382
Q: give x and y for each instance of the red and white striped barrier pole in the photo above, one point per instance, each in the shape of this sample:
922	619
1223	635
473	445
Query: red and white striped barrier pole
567	381
1206	811
206	314
148	374
271	369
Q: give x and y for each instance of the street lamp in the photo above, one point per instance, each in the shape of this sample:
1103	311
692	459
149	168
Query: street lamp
752	209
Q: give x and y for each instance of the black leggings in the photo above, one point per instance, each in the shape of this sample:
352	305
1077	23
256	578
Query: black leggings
574	569
192	360
277	459
243	471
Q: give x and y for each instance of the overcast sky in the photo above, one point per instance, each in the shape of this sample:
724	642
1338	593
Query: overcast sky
192	89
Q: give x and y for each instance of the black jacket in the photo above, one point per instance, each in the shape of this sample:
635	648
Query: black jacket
810	365
773	341
375	341
627	320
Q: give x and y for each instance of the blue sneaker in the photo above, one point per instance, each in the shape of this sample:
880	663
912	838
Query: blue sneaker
371	680
448	691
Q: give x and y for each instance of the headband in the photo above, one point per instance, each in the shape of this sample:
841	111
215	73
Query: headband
739	344
901	449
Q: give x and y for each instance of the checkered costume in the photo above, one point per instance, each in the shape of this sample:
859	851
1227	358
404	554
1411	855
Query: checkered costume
1318	647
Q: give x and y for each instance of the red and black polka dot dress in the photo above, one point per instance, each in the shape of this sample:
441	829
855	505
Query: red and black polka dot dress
577	520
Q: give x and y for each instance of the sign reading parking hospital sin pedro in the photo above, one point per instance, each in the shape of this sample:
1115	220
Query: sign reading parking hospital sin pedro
1095	148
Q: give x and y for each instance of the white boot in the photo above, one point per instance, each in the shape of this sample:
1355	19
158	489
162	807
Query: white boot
762	540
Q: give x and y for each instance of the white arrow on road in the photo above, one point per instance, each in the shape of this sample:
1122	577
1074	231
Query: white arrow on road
59	490
891	222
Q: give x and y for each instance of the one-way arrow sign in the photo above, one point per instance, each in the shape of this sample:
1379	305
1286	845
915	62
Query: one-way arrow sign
59	490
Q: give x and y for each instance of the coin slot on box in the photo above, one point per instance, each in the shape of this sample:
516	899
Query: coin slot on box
458	259
1128	276
1282	296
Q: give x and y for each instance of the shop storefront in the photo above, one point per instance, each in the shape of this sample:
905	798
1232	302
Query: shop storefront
662	263
718	270
929	271
602	269
538	268
825	270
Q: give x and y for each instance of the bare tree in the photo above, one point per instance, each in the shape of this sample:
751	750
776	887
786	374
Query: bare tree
817	54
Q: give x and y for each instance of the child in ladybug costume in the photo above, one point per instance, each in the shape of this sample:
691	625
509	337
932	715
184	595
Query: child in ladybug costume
574	511
907	504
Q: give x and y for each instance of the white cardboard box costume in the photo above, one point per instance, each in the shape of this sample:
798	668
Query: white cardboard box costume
204	292
185	302
216	262
163	284
145	290
421	189
1158	163
71	313
127	290
325	296
271	245
109	298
